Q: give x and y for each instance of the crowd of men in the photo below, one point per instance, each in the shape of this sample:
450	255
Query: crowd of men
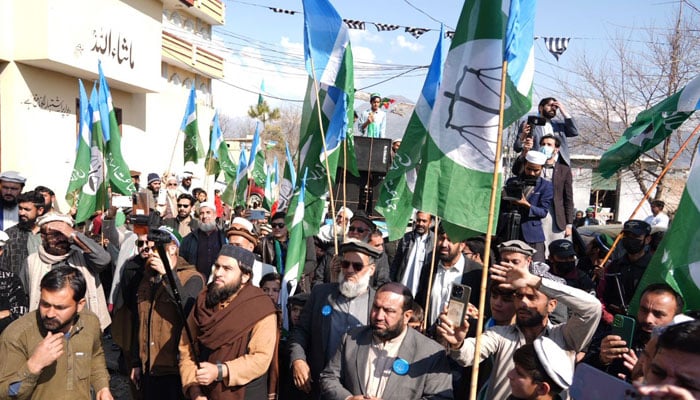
189	302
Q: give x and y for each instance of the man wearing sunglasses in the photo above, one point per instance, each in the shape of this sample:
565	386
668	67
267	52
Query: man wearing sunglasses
332	310
183	222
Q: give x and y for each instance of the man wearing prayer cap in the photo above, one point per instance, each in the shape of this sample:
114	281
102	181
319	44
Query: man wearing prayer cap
333	309
372	122
532	206
11	185
535	298
201	246
63	245
234	326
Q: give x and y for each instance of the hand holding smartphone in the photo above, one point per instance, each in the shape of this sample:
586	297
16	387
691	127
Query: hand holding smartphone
459	301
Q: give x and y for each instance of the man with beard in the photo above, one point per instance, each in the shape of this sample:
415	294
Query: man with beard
154	186
202	245
159	322
183	222
658	305
24	237
186	182
532	206
234	326
530	135
452	268
332	310
624	274
387	359
11	185
414	252
63	245
55	352
49	198
168	204
535	299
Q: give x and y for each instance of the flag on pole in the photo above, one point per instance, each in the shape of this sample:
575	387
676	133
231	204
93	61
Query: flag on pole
262	90
288	182
458	160
677	259
93	195
257	161
193	149
269	197
241	184
397	189
218	159
296	251
118	174
651	127
328	57
81	167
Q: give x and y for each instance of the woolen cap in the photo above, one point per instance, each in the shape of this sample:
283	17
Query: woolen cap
516	246
243	228
562	248
240	254
637	227
152	177
174	235
12	176
358	246
555	361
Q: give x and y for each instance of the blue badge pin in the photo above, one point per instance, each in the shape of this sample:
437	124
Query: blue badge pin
326	310
400	366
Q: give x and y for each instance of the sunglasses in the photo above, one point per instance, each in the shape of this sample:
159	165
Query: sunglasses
277	225
183	205
357	266
144	244
357	229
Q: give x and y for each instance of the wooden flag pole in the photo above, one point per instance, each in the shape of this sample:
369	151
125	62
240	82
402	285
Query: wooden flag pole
648	193
172	155
325	148
487	244
426	312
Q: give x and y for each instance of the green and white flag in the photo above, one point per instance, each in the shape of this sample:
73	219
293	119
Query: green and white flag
397	189
118	174
193	149
296	251
458	160
81	167
677	259
650	128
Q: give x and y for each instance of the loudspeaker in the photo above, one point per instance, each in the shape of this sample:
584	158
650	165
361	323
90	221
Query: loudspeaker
373	154
360	194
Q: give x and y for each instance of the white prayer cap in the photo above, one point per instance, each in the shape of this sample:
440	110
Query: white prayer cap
536	157
555	361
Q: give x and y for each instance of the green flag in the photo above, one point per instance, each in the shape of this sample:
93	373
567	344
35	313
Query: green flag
397	189
118	174
193	149
218	159
296	249
94	191
259	173
677	259
458	160
650	128
81	167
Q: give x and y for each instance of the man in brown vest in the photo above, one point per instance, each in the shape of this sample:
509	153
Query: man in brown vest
234	326
159	323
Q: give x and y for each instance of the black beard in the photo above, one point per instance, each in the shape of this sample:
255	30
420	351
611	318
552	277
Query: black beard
9	203
216	295
26	225
46	323
535	320
388	334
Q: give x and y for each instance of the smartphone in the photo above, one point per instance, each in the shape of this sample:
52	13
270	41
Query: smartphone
256	215
122	201
623	326
535	120
457	306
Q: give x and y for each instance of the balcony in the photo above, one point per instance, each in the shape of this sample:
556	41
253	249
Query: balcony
210	11
185	54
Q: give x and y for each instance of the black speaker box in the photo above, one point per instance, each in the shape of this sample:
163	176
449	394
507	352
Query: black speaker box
360	193
372	154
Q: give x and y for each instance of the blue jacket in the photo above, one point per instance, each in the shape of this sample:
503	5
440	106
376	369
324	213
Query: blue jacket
531	219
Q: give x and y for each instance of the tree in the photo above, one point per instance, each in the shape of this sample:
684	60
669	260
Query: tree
262	112
611	91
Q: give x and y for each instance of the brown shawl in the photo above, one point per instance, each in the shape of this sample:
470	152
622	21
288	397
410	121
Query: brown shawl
226	333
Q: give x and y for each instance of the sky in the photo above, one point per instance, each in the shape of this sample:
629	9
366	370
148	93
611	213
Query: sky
262	45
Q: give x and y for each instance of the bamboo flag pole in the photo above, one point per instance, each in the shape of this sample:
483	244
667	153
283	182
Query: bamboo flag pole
325	148
487	245
430	275
345	183
652	187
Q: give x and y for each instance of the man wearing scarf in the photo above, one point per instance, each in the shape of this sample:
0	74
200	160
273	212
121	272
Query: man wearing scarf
63	245
234	328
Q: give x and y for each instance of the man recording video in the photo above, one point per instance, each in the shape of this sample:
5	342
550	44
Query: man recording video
532	130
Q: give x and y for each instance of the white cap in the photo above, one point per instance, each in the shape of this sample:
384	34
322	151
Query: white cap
209	204
346	211
536	157
244	223
555	360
